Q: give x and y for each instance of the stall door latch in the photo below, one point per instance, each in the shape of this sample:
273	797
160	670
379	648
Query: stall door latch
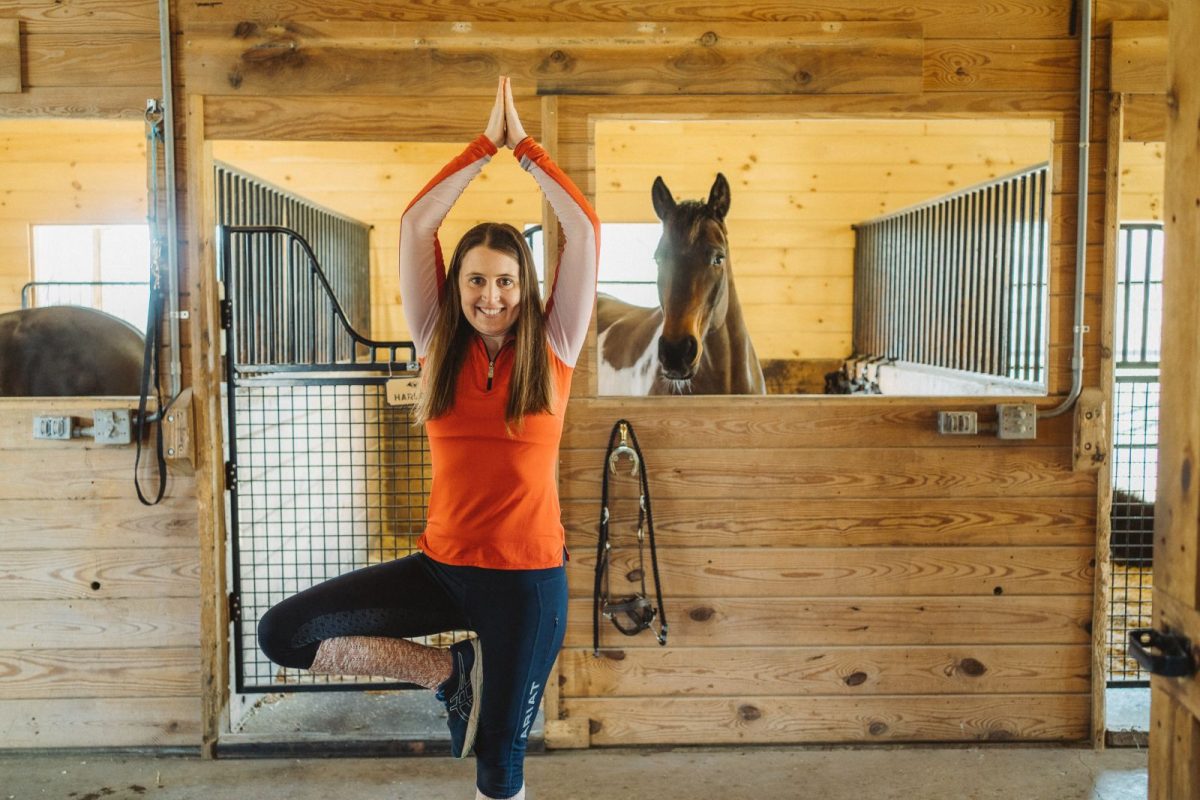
1166	654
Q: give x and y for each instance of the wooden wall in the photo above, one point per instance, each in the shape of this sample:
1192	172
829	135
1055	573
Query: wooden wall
99	595
797	187
74	172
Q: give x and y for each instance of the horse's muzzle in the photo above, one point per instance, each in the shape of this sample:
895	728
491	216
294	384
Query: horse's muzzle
678	358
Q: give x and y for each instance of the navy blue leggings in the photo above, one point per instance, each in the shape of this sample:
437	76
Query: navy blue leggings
519	615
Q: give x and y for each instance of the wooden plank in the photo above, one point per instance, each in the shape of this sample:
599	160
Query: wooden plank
569	57
1139	57
99	573
10	56
63	475
17	421
381	118
806	671
858	472
778	720
841	572
953	19
822	622
90	102
743	423
102	673
1001	65
828	522
95	624
92	17
119	523
100	722
79	60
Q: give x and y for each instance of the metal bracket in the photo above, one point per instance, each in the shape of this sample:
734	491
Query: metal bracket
235	607
1167	654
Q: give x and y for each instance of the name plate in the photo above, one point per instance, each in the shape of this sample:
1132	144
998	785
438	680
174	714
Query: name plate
403	391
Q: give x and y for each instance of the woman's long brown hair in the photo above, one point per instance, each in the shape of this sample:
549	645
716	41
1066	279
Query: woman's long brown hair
530	390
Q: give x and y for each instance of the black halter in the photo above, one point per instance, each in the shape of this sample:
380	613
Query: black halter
634	613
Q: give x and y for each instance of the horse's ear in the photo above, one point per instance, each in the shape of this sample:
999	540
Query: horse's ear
664	203
718	197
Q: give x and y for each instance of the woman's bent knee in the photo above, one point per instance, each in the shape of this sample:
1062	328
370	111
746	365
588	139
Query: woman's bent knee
275	639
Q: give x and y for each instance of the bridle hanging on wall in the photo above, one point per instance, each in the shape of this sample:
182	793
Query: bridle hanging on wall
634	613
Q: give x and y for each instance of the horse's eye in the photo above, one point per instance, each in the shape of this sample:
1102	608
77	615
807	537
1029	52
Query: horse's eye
718	259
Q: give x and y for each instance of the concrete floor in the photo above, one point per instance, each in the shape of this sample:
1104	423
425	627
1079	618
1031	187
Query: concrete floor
992	773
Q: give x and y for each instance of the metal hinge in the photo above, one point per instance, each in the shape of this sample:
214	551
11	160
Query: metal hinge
226	314
235	607
230	476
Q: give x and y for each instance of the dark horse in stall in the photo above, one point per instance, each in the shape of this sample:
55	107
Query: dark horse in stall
695	341
65	351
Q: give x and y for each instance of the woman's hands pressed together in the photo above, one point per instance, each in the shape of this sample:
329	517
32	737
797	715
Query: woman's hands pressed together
504	127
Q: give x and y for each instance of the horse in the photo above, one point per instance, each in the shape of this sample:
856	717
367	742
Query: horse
695	341
67	351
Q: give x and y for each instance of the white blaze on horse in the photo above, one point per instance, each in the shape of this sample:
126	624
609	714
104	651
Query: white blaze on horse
65	351
695	341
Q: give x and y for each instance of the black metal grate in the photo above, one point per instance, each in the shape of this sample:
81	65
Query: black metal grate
329	479
325	475
959	282
1135	444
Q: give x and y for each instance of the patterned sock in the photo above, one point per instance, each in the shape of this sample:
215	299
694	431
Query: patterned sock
388	658
518	796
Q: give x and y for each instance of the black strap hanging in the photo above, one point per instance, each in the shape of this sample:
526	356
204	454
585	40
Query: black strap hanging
634	613
153	320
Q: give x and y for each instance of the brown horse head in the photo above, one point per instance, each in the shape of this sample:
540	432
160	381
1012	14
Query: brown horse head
693	274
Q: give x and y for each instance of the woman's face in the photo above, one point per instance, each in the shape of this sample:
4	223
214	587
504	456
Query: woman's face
489	284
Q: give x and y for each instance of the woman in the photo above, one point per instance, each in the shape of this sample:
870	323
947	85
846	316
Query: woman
497	375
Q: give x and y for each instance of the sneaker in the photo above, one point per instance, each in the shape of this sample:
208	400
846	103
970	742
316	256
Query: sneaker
461	694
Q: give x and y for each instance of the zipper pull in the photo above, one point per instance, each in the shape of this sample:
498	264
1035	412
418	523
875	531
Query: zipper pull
491	372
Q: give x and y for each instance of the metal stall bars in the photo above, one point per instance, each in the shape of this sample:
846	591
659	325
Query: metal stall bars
323	475
959	281
1137	337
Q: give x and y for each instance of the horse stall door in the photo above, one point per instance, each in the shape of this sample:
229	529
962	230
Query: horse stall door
323	476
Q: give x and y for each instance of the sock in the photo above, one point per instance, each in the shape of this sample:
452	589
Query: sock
389	658
518	796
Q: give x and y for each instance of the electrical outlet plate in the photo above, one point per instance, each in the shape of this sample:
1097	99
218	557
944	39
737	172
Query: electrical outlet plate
112	426
1016	421
52	427
958	423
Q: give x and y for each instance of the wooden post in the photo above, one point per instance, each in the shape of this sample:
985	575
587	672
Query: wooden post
1175	702
210	468
1103	581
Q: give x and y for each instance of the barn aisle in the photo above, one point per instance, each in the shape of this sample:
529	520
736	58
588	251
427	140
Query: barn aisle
994	773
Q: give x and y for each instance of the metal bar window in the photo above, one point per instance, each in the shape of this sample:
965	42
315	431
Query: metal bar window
984	251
